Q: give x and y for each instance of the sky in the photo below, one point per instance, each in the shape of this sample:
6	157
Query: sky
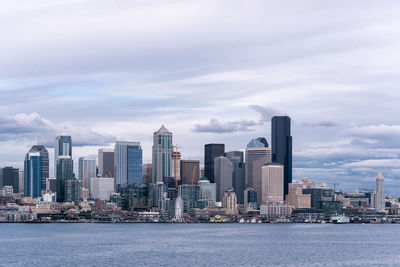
211	71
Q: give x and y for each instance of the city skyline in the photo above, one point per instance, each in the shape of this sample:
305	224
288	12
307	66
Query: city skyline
335	77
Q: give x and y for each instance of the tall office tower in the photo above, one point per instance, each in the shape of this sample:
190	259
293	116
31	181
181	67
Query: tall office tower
44	155
190	171
272	183
190	195
62	147
147	173
239	174
21	182
256	157
222	176
86	170
229	202
380	194
208	191
10	176
72	190
176	165
282	147
162	151
106	162
212	151
65	171
33	175
128	157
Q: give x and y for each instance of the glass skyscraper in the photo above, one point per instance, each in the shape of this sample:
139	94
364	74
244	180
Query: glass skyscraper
65	172
128	159
162	154
282	147
33	175
212	151
44	155
62	147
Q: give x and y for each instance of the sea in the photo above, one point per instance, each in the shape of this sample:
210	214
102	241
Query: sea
158	244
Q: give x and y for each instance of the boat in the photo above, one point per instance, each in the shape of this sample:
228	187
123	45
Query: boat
241	220
340	219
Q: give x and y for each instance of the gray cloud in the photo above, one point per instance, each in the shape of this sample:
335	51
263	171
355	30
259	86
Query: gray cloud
215	126
35	129
265	112
327	124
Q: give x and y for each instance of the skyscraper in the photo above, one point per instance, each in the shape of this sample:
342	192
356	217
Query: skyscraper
65	171
62	147
222	176
256	157
211	151
10	176
176	166
190	171
282	147
86	170
272	183
162	154
380	194
147	173
106	162
238	174
44	155
208	191
33	174
128	158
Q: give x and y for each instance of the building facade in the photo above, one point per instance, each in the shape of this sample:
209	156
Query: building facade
282	147
86	170
162	154
101	188
9	176
380	194
106	162
44	155
65	171
208	191
212	151
147	173
272	183
229	202
238	173
33	175
223	176
190	171
128	159
62	148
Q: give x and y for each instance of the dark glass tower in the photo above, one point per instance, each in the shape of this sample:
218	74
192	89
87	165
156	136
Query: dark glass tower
212	151
282	147
10	176
44	158
65	172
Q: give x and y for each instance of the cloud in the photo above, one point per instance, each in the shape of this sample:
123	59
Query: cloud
35	129
265	112
215	126
374	163
327	124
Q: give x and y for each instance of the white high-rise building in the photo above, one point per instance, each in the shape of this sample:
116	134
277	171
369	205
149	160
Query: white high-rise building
208	191
229	202
272	183
86	170
101	188
380	194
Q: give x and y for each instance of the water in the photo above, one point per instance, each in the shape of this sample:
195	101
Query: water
198	244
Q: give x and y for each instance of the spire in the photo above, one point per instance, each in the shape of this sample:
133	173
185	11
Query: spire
380	176
163	129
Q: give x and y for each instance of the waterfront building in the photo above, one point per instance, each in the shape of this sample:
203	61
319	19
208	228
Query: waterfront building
147	173
296	198
86	170
272	183
380	194
128	157
282	147
64	167
106	162
33	175
256	157
62	148
72	190
238	173
319	194
101	188
140	197
190	195
222	175
250	199
212	151
229	202
162	154
44	157
190	171
275	210
9	176
208	191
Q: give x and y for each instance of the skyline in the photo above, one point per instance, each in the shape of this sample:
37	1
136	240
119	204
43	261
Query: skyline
334	74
